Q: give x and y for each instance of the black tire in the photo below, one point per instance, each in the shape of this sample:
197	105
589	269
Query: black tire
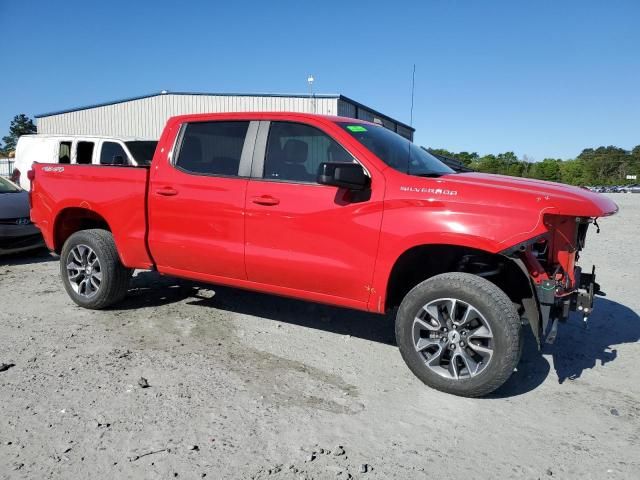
115	276
496	308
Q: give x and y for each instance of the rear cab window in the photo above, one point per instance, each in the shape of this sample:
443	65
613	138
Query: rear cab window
295	151
212	148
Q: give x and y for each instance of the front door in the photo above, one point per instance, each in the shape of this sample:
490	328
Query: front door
196	201
306	236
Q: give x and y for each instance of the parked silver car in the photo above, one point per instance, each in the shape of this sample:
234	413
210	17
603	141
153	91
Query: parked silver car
17	233
635	188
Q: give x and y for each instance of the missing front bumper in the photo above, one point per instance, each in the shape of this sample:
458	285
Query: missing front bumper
554	309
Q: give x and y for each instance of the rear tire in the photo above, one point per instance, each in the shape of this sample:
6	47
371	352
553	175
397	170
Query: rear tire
91	270
469	353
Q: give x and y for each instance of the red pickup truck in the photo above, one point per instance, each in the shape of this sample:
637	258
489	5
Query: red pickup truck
338	211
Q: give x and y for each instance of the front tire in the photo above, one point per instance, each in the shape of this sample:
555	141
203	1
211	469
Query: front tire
459	334
91	271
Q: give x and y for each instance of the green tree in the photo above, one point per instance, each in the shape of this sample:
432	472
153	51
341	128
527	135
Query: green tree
465	157
548	169
20	125
594	166
572	172
606	165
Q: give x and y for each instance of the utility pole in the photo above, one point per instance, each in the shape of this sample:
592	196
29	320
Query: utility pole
413	88
312	102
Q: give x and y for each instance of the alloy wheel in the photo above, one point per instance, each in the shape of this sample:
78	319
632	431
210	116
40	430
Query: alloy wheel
84	271
453	338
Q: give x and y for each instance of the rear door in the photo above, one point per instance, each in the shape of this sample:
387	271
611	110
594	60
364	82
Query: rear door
196	201
300	234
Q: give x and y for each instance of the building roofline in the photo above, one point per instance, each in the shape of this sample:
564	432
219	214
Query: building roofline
218	94
165	92
375	112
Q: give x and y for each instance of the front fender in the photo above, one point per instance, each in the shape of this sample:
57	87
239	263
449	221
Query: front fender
410	223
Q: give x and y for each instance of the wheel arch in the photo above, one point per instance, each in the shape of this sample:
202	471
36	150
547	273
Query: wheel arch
73	219
421	262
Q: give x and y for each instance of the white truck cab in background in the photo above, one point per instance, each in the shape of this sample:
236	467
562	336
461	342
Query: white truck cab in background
78	149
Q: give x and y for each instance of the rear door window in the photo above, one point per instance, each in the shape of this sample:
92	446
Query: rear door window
212	148
112	153
84	152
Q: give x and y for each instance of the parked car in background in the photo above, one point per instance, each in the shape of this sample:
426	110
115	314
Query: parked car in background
635	188
17	233
77	149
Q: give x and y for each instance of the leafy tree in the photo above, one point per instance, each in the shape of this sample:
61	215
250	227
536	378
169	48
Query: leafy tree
606	165
20	125
572	172
594	166
465	157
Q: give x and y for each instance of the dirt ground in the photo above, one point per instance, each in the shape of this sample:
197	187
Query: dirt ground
245	385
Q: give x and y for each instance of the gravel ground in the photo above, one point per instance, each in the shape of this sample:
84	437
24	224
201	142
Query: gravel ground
245	385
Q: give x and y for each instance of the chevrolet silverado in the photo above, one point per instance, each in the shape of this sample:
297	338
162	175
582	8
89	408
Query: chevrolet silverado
338	211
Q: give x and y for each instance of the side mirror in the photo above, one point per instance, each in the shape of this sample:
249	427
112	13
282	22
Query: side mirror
118	160
344	175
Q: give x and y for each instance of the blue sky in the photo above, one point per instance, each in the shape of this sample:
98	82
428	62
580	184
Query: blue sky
543	78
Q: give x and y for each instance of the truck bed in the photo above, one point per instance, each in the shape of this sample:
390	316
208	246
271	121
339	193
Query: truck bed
115	195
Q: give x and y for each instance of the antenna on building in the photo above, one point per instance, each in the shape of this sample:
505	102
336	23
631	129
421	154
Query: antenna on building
413	89
310	81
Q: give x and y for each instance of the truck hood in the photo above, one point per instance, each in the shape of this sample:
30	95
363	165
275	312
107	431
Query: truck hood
540	195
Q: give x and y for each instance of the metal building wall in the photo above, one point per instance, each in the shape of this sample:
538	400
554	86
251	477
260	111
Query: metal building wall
348	109
146	117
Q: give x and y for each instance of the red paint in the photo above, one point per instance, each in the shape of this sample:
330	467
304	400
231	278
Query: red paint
302	240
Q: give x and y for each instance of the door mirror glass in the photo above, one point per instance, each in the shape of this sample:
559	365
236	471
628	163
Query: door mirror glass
344	175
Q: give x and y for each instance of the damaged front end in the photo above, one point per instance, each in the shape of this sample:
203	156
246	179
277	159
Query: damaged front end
558	284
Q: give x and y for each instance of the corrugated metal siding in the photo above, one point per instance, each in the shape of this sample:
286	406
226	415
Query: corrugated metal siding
405	132
146	117
346	109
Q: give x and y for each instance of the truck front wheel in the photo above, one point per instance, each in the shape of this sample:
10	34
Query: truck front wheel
459	333
91	270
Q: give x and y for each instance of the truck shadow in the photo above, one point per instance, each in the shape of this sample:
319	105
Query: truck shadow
40	255
151	289
576	348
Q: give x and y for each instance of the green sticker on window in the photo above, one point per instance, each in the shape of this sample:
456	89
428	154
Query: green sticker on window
356	128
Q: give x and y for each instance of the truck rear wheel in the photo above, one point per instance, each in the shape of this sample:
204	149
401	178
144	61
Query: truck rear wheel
91	270
459	333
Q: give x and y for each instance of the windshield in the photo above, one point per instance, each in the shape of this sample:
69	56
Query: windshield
7	187
142	150
396	151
